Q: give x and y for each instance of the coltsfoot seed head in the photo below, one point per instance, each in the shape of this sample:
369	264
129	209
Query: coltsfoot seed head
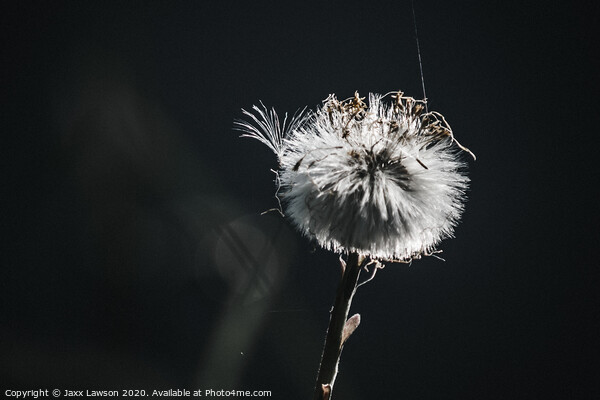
383	179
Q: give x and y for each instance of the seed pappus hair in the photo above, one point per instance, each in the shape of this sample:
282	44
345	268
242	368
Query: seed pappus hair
384	179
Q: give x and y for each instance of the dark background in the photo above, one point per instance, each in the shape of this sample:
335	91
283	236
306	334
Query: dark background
134	253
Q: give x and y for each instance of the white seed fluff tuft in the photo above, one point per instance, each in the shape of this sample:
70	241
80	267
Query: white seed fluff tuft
383	179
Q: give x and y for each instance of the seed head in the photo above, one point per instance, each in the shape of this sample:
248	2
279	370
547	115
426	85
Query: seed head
382	179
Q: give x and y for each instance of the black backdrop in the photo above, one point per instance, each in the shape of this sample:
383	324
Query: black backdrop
134	253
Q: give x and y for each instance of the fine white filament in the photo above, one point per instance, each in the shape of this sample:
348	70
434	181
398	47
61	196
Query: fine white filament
383	179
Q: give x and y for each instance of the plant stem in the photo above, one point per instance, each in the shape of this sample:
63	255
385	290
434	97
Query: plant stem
339	328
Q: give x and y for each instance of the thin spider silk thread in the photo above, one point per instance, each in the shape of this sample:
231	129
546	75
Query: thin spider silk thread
412	2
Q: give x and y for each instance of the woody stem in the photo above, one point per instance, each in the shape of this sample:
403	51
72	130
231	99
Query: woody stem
339	328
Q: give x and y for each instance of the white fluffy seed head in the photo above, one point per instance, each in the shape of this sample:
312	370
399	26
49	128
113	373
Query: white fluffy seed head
383	180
